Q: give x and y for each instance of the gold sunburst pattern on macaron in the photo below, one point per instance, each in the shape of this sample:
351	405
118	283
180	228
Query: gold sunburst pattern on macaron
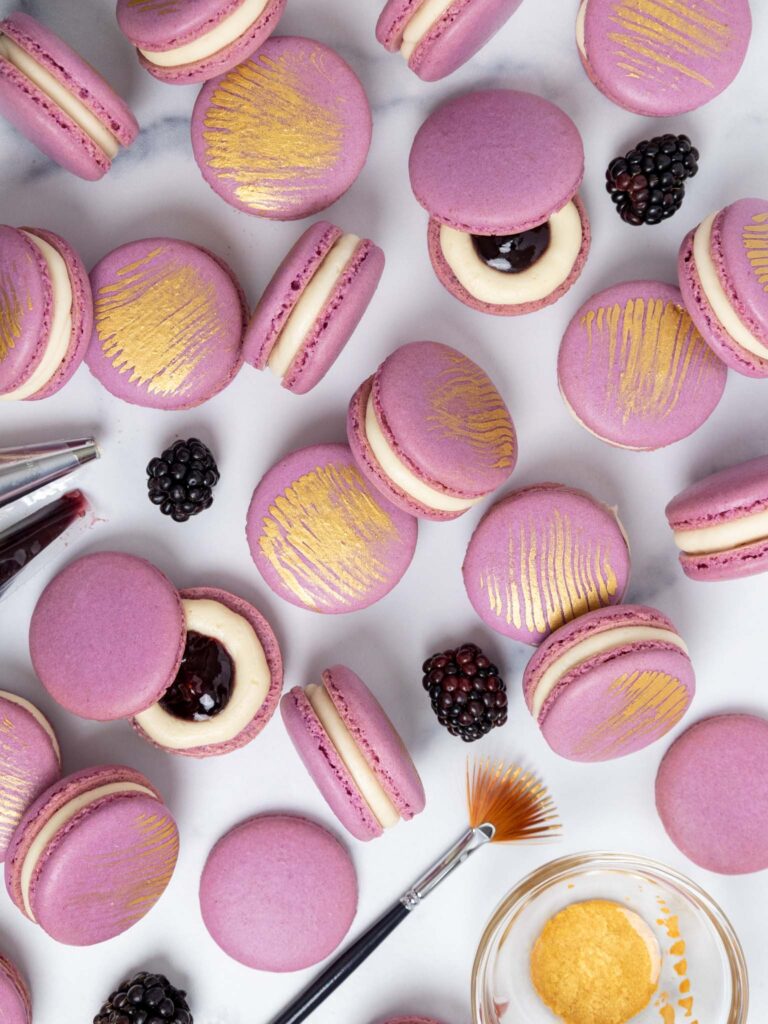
755	237
12	308
17	792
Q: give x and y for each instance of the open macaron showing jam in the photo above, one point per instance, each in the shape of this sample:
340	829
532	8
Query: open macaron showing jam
723	268
195	40
431	431
312	305
353	752
609	683
62	104
199	672
498	171
46	313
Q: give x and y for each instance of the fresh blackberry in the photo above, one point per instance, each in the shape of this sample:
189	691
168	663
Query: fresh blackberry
145	999
468	695
182	479
648	184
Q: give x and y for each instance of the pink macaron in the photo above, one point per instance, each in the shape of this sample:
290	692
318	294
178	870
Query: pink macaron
199	672
609	683
662	59
437	39
284	134
634	370
430	430
353	753
15	1000
720	523
278	875
92	855
168	324
46	313
195	40
543	556
723	269
711	793
322	538
62	104
498	171
312	305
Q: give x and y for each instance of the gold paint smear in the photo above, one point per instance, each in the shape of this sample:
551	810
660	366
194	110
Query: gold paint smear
661	36
466	406
755	237
157	321
12	308
155	6
265	132
16	790
327	538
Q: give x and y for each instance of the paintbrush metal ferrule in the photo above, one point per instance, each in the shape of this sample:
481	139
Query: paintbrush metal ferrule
28	468
472	840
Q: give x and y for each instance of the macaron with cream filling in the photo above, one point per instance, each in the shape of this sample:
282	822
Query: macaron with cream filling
312	305
15	999
353	753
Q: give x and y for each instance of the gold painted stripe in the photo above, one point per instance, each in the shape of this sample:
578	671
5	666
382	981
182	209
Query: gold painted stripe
755	236
13	305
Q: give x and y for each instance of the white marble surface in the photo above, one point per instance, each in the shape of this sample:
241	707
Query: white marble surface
156	189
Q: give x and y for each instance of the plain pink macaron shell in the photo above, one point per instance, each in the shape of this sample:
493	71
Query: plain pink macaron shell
660	60
712	797
15	1000
635	371
722	497
42	121
278	877
322	538
169	318
464	28
107	636
496	161
543	556
284	134
157	29
739	251
106	868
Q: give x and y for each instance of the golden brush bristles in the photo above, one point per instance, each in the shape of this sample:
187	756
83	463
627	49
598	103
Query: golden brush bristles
514	801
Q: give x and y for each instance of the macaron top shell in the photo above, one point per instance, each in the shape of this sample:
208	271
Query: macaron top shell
165	24
496	161
15	1001
107	636
26	300
731	493
740	254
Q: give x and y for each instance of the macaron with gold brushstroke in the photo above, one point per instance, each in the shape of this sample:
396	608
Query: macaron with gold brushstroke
662	57
284	134
185	41
15	998
634	370
168	325
543	556
431	431
609	683
322	537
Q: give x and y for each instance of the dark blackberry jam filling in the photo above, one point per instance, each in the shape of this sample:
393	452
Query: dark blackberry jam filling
513	254
204	683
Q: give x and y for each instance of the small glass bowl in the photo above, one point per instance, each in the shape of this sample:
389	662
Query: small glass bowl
710	969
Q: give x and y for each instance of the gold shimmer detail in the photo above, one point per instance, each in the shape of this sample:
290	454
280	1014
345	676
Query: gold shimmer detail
682	999
663	41
756	243
328	539
16	791
653	351
157	321
12	309
265	133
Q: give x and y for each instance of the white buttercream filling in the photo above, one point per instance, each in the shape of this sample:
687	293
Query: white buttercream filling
250	689
581	29
227	31
59	821
716	294
38	716
592	647
82	115
734	533
421	24
538	282
60	334
362	774
311	304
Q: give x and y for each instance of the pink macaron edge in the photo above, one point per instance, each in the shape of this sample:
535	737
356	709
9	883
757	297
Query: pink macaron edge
11	973
35	336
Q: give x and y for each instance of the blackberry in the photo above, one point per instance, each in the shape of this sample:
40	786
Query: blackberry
145	999
182	479
648	184
468	695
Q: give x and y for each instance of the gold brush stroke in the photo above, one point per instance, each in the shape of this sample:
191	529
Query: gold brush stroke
668	35
466	406
653	351
327	537
558	577
16	791
264	132
756	243
12	308
157	322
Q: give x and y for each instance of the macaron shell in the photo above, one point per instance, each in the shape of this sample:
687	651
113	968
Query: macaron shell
15	1000
170	24
26	302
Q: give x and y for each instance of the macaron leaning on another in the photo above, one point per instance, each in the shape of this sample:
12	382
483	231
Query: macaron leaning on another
312	305
15	999
58	101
